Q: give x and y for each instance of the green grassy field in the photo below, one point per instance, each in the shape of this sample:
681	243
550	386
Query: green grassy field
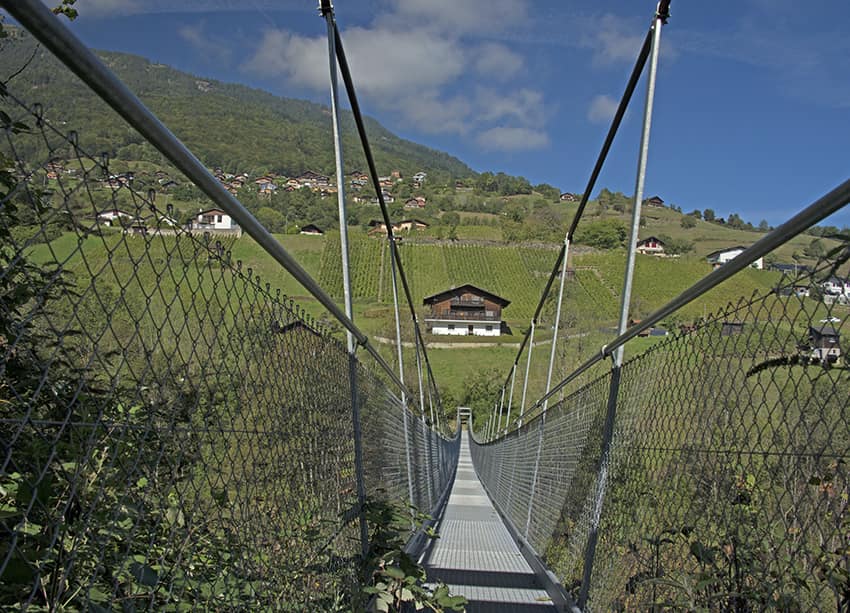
517	272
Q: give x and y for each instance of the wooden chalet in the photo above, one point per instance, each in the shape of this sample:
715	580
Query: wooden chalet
651	245
312	230
825	344
464	311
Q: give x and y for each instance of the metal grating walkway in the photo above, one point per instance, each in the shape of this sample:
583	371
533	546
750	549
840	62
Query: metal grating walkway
476	556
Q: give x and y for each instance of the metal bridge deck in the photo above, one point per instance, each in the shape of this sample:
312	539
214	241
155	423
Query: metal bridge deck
475	554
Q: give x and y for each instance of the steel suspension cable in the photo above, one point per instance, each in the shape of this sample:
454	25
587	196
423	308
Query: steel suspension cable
640	63
373	173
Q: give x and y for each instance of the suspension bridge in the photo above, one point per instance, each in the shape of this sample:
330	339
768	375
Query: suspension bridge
178	435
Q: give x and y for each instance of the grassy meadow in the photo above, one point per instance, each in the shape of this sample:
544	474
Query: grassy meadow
516	271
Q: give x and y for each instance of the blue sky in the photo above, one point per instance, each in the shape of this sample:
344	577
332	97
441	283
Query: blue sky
752	105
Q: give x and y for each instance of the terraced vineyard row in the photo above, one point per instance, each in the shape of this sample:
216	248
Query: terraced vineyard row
366	260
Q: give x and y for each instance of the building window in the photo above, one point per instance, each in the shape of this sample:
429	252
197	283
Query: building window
451	326
471	329
218	218
489	328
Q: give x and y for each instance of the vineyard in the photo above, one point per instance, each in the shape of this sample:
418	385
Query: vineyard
519	273
367	260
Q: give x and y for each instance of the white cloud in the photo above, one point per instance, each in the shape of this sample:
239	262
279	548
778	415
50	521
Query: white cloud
197	38
615	40
523	106
497	61
513	139
420	61
602	109
97	8
457	16
416	59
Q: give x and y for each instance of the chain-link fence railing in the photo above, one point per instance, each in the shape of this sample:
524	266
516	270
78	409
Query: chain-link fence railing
175	434
726	486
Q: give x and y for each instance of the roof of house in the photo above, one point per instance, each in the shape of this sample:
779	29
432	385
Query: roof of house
468	287
824	330
416	221
651	238
312	228
216	211
309	174
782	267
719	251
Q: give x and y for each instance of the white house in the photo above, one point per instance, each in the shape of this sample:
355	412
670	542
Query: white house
651	245
722	256
836	287
214	219
109	216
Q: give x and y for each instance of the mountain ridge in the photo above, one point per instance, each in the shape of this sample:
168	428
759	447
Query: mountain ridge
252	129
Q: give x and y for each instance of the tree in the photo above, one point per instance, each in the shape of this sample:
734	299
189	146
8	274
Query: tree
696	214
550	193
688	222
273	220
676	246
734	221
764	226
450	219
708	214
815	249
607	234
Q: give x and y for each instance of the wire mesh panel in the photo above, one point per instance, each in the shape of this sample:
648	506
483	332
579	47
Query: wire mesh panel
726	486
175	434
540	474
729	463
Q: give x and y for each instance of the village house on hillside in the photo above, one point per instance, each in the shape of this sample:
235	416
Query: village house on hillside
835	286
111	216
312	230
654	201
215	220
722	256
825	344
415	203
379	227
313	180
465	310
651	245
569	197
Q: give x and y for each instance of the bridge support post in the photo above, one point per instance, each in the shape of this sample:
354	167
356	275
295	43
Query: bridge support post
326	10
404	398
527	371
429	458
510	398
661	15
553	352
501	410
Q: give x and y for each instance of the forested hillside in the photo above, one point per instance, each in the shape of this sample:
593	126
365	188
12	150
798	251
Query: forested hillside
232	126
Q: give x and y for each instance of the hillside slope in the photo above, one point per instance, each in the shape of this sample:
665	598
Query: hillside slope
232	126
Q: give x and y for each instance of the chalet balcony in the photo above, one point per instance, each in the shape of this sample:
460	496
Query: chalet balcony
479	315
467	302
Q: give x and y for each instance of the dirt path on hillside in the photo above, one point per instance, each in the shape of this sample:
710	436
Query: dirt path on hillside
441	345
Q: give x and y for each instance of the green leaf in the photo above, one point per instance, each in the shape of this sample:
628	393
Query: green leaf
144	574
394	572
